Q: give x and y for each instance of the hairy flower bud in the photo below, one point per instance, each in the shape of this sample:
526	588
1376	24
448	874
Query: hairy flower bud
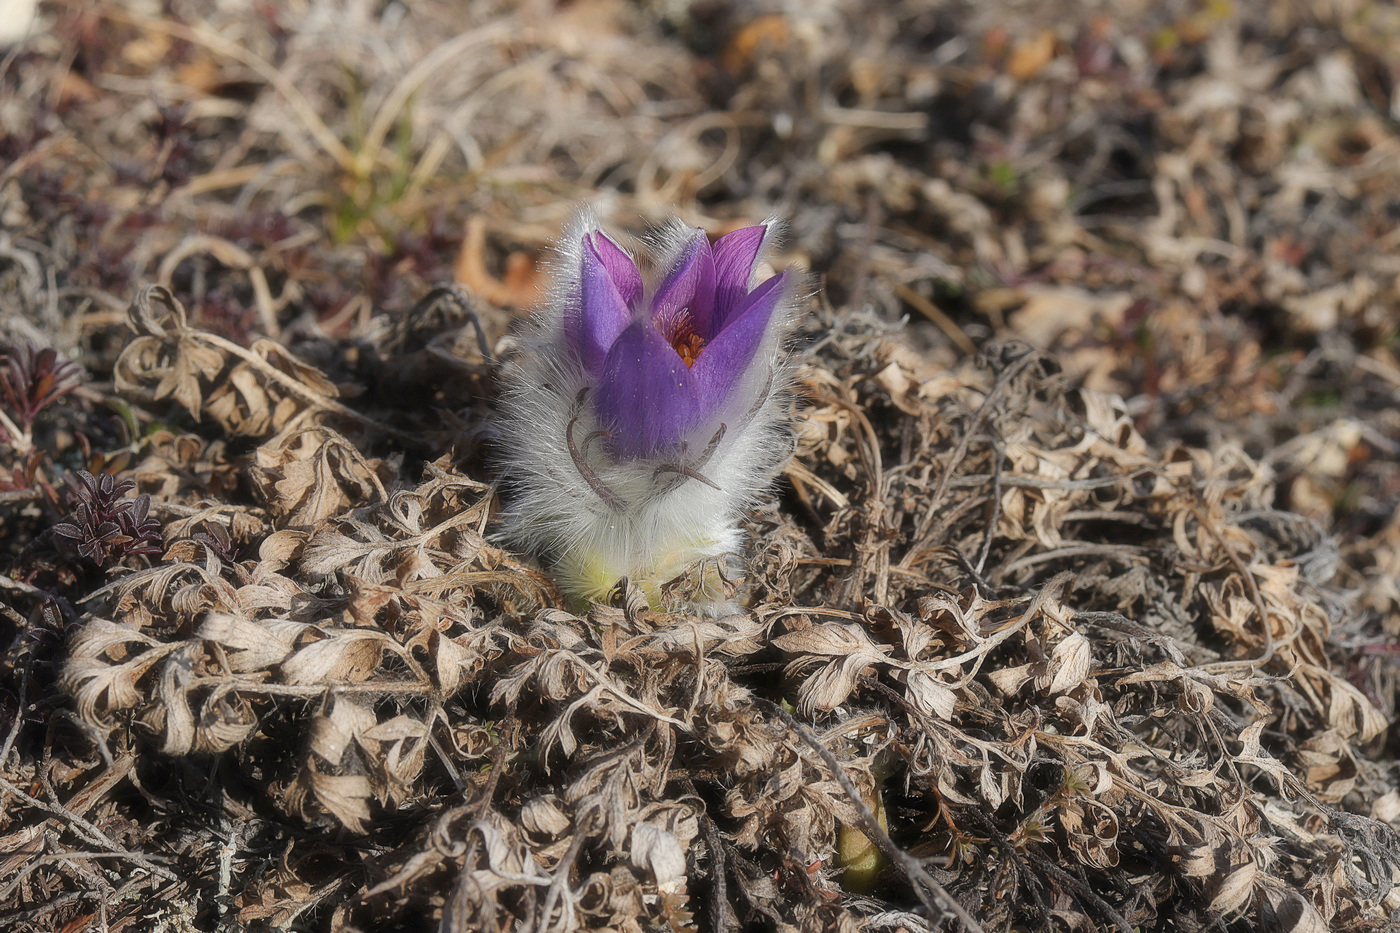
643	417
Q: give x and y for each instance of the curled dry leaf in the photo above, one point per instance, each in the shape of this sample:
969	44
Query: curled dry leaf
833	682
1012	615
309	475
541	816
1092	829
1234	891
336	656
345	797
659	853
252	392
105	664
1069	663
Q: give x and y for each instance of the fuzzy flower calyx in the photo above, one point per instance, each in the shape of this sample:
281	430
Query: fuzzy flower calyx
644	415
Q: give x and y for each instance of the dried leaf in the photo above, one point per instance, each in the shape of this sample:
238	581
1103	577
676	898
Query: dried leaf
658	852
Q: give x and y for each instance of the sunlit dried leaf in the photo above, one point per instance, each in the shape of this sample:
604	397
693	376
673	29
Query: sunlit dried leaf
311	475
1236	890
930	695
344	796
1070	661
659	853
105	664
339	657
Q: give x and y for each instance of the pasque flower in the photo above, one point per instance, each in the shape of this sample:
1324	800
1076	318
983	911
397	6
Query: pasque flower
643	415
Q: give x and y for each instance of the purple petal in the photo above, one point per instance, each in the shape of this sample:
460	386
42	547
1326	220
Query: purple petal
621	269
735	255
646	394
725	359
606	278
689	288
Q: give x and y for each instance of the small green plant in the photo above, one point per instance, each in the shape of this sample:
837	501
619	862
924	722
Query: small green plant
1003	176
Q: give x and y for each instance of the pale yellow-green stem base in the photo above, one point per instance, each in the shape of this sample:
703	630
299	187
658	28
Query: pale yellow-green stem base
861	857
689	575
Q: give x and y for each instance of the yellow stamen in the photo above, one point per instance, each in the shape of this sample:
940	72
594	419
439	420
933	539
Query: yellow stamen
689	347
680	333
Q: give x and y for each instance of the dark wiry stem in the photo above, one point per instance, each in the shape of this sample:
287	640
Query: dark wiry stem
609	497
709	450
686	471
693	471
592	436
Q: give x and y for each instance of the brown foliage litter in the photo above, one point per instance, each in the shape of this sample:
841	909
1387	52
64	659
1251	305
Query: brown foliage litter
1032	732
1075	609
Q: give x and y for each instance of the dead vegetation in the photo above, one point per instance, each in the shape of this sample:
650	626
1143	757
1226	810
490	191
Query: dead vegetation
1076	608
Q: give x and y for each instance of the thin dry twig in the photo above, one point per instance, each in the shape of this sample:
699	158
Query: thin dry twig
934	898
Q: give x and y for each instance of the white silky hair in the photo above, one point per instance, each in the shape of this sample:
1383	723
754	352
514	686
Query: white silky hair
589	514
